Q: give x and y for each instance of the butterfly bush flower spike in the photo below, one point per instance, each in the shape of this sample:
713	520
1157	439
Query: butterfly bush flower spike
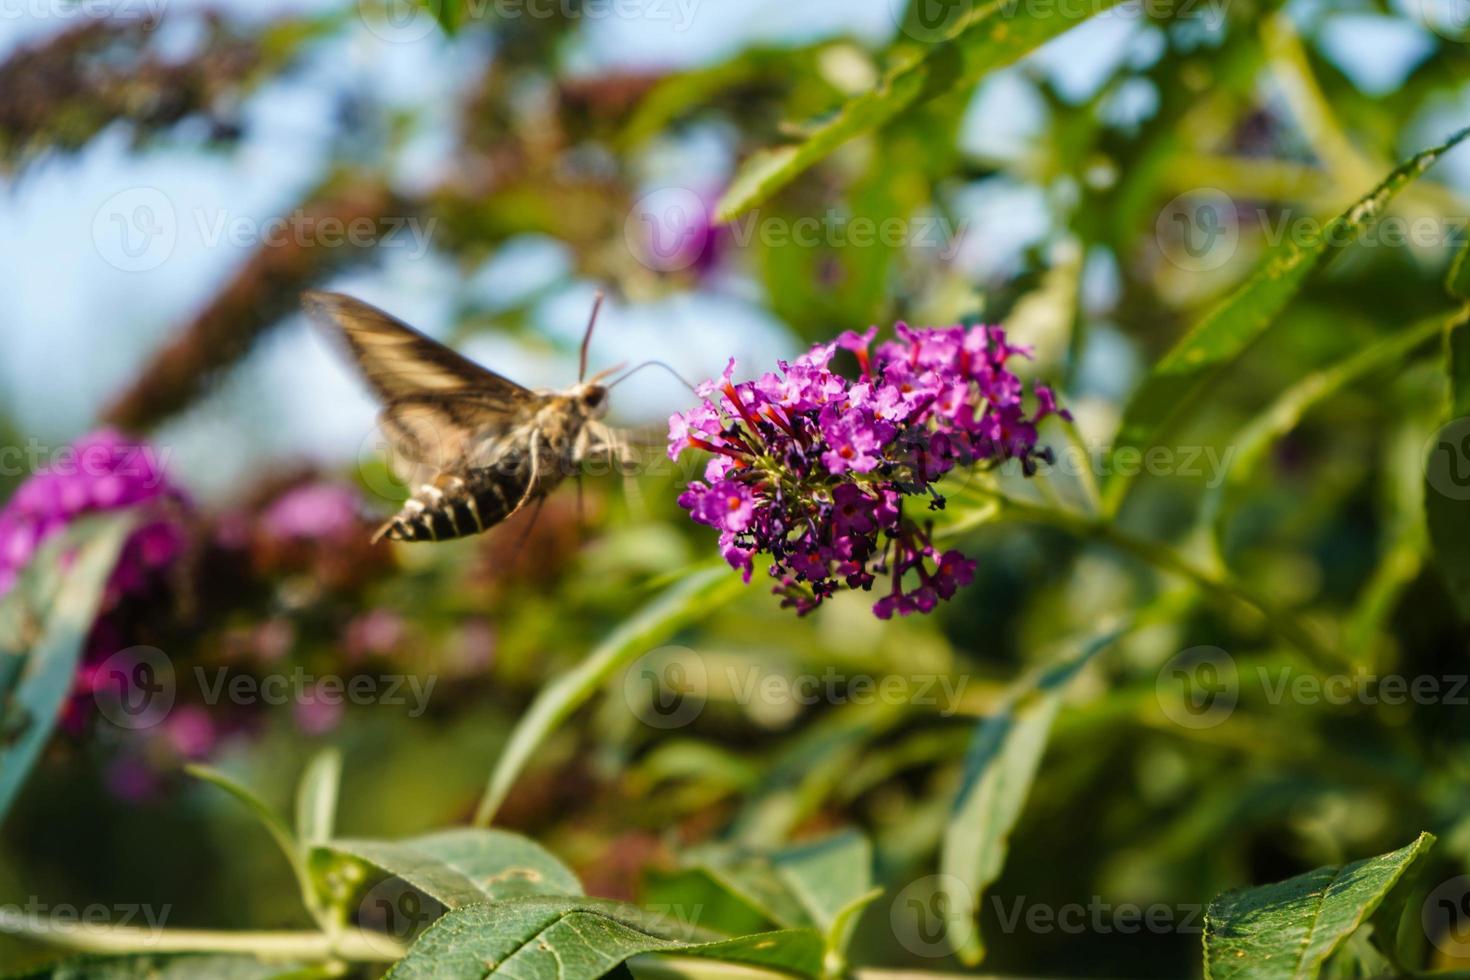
823	473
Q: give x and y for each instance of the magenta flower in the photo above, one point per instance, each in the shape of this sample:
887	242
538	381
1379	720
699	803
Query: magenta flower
100	472
727	504
814	469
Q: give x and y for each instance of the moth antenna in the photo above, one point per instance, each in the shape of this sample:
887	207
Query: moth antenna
663	364
587	337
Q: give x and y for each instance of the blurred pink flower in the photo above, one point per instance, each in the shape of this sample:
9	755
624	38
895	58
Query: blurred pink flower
317	510
315	716
100	472
375	633
191	731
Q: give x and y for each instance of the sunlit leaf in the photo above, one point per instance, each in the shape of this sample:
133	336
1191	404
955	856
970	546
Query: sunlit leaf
993	37
580	939
1287	930
1177	380
316	798
1255	440
468	865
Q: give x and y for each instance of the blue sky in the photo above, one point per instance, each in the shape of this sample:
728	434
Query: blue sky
75	326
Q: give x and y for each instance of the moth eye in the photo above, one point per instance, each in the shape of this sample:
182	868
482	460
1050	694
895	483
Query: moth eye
594	397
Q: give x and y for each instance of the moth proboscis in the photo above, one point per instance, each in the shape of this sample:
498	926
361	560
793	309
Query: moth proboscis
480	446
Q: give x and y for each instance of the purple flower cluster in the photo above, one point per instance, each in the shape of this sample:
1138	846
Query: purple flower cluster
101	472
814	469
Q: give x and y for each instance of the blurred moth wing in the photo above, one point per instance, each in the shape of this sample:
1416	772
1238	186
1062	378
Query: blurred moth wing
477	446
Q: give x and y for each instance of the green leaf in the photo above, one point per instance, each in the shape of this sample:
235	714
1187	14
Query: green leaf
808	769
580	939
828	875
1171	388
162	966
993	37
1446	486
1255	440
316	798
466	866
823	884
1286	931
682	603
51	662
289	845
1458	281
999	769
259	808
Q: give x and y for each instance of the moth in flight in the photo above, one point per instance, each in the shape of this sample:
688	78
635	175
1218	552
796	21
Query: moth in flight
481	447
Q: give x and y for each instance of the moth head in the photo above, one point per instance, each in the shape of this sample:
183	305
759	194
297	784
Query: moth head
593	399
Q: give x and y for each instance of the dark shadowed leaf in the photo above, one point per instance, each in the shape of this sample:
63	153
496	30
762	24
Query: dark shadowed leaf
1447	473
999	770
693	596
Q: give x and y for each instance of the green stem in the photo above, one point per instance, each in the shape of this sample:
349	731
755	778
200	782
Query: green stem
1161	556
353	945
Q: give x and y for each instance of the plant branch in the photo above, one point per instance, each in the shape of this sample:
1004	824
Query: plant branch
356	945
